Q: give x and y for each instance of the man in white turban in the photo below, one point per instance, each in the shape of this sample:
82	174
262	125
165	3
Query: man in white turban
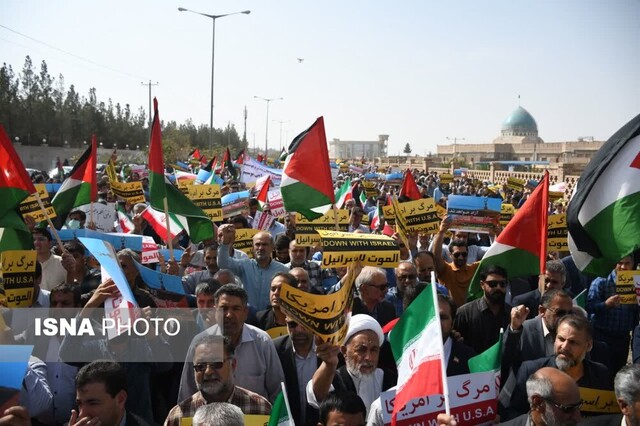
360	373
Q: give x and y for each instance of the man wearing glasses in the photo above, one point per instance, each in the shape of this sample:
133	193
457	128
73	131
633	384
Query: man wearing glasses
456	275
554	278
479	322
574	339
372	288
213	368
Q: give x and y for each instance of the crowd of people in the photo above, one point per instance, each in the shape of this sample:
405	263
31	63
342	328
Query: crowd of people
243	345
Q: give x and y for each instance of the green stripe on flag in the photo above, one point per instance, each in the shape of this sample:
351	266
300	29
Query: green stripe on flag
488	360
581	299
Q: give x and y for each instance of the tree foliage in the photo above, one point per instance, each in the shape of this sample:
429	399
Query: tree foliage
34	106
407	148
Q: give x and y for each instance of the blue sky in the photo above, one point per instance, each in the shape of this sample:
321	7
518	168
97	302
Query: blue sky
419	71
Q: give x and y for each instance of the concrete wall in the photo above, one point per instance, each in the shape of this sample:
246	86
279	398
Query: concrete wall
44	157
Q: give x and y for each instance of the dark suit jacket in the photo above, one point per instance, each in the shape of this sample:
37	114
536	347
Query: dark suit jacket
266	319
608	420
284	348
596	376
518	421
385	311
530	299
459	359
342	381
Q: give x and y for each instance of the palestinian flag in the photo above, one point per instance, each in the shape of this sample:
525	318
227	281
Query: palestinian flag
280	412
416	342
409	187
307	186
211	165
343	193
15	183
240	157
80	188
125	224
604	213
157	220
522	246
283	154
263	194
196	222
228	164
194	156
14	233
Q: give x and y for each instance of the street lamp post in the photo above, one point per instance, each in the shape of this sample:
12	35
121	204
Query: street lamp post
266	132
455	140
213	49
281	123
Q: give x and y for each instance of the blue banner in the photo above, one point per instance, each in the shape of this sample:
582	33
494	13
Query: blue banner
160	281
14	364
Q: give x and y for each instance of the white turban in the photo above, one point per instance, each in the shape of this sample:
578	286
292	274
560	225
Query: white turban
363	322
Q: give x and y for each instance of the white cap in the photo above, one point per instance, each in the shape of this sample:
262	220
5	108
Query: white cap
363	322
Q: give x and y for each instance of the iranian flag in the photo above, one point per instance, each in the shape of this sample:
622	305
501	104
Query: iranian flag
604	213
280	412
409	187
522	246
157	220
195	222
15	184
307	187
80	188
343	193
125	224
416	342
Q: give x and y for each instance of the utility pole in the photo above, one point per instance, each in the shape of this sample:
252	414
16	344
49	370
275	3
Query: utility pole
150	117
244	134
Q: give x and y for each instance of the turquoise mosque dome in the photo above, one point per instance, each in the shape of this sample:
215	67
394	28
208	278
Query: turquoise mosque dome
520	123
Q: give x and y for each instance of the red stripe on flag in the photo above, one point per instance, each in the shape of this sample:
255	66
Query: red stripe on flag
426	380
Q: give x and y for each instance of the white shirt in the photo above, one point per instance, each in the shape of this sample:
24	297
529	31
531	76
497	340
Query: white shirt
368	390
53	273
305	367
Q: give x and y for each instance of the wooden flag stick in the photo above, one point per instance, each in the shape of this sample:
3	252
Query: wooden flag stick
53	229
91	214
335	217
167	221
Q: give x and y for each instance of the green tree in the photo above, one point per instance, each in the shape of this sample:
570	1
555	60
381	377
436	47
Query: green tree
407	148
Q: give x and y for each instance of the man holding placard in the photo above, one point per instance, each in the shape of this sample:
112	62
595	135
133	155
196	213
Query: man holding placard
612	313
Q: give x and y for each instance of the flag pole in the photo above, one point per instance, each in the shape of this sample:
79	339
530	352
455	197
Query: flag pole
443	369
91	214
53	229
167	220
335	217
286	400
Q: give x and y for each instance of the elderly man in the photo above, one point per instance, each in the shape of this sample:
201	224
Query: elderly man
255	273
297	354
213	366
627	388
574	339
258	368
612	320
372	287
298	255
425	264
190	281
302	276
554	278
360	373
479	322
406	276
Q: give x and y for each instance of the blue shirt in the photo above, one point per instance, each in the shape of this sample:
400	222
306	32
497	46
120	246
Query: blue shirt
256	280
617	321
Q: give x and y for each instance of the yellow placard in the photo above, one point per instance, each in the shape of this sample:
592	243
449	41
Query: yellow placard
370	188
420	216
208	198
306	234
244	240
276	332
555	196
186	421
18	277
626	283
29	207
255	420
506	213
323	315
446	178
343	248
557	232
598	401
515	184
389	215
442	212
130	191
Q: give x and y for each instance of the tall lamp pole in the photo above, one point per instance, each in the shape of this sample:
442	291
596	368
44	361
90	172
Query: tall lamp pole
213	50
266	132
455	140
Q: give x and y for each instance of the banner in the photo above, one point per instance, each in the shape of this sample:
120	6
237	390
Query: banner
104	215
244	240
18	269
15	360
473	399
252	170
557	232
506	214
184	184
370	188
235	203
473	214
389	215
626	284
30	207
117	240
150	253
140	170
262	221
420	216
166	290
207	197
326	315
130	191
515	184
343	248
274	197
446	178
306	234
598	401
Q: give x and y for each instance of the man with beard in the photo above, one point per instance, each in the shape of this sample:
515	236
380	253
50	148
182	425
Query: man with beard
534	338
213	368
479	322
297	354
190	281
627	388
406	276
360	374
255	273
574	338
254	351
